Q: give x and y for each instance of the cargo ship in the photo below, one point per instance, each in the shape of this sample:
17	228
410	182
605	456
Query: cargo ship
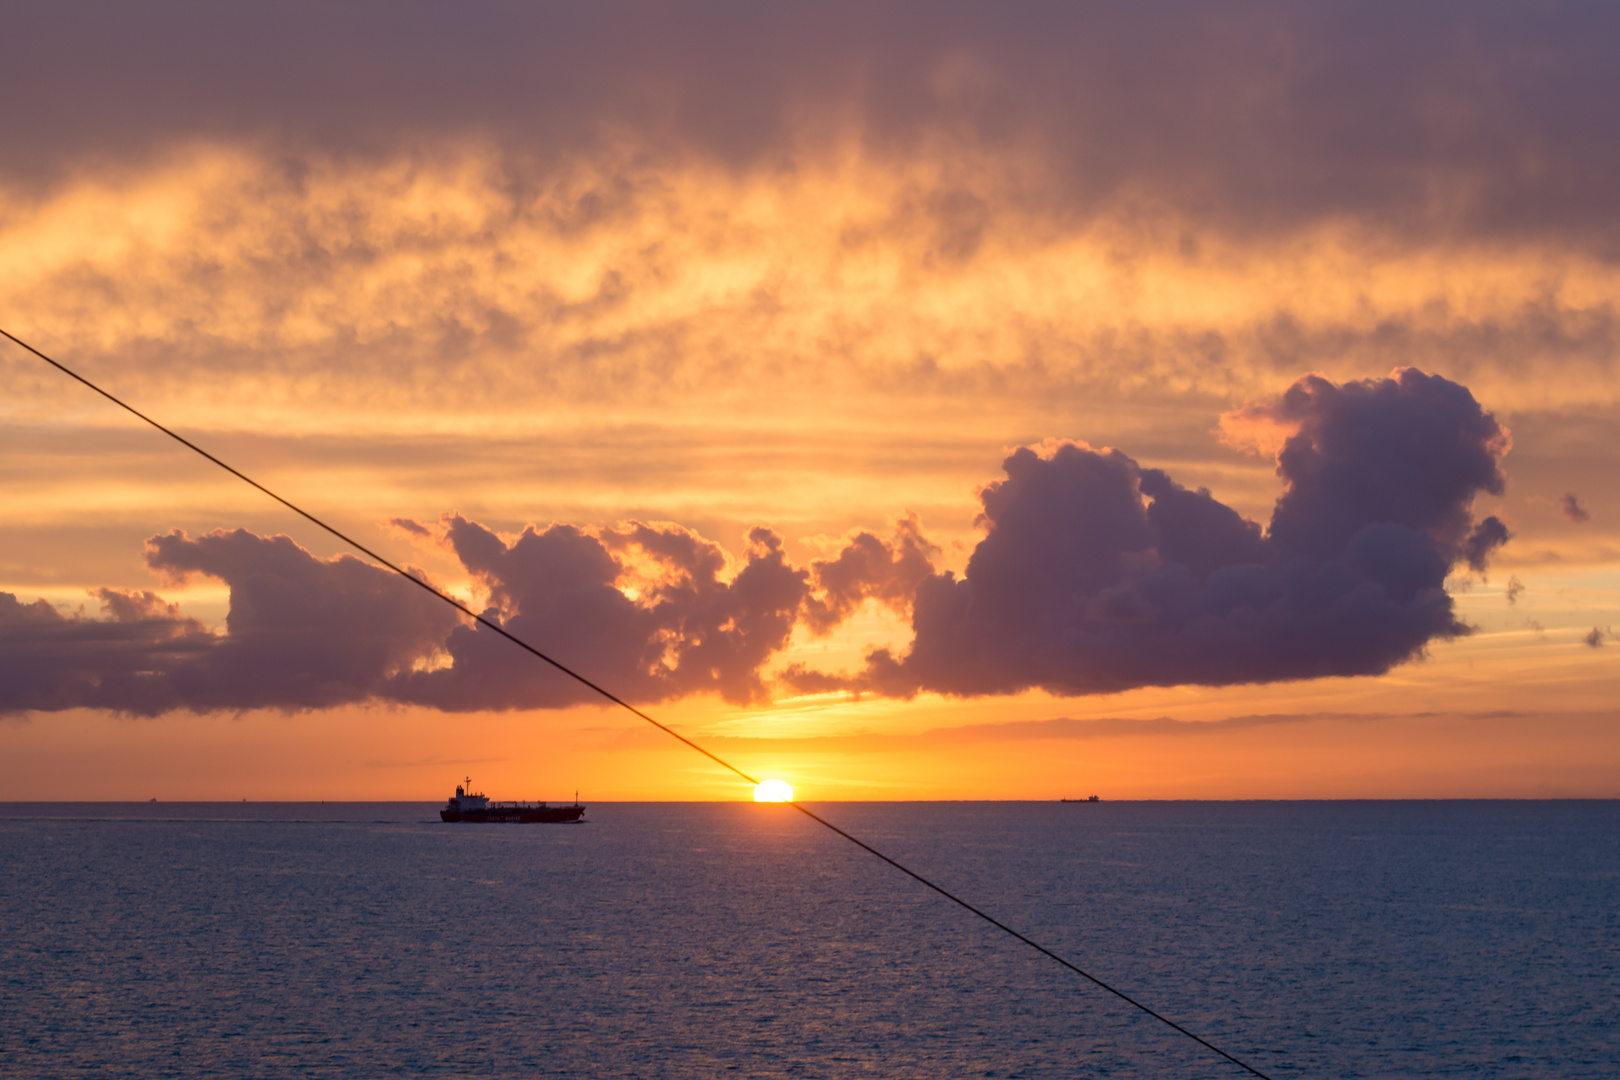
469	805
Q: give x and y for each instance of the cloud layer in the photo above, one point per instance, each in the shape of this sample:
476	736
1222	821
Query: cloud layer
1095	575
1450	114
426	211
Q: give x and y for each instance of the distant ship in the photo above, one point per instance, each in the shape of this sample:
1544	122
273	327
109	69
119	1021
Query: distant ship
469	805
1092	799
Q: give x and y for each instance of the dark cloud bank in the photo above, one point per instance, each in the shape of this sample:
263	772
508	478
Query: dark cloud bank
1274	114
1095	575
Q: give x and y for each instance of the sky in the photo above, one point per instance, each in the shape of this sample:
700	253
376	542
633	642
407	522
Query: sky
909	401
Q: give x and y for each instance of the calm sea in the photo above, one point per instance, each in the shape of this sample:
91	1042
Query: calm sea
1359	939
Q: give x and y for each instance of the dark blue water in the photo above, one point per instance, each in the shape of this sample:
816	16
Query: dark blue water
1475	939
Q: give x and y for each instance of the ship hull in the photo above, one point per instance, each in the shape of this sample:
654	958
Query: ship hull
515	815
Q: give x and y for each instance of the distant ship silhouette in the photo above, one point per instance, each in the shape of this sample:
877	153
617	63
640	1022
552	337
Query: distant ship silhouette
469	805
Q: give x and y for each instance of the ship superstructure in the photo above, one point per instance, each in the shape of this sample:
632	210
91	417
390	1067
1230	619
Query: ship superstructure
469	805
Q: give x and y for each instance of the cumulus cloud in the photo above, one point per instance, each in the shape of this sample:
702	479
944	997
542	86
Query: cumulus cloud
1573	510
50	660
651	612
1095	575
566	591
302	633
1098	575
870	568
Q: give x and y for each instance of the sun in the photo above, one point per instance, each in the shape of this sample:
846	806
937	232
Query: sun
773	791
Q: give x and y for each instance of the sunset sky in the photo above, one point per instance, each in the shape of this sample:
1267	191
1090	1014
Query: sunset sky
903	400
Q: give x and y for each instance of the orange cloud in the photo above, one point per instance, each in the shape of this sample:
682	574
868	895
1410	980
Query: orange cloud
418	289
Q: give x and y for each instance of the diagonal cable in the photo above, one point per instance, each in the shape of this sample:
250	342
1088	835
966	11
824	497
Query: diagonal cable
610	696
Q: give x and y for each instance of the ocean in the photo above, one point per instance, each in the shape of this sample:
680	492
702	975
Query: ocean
1321	939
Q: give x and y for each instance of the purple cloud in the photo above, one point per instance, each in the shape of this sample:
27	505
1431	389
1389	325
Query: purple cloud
687	632
1095	575
305	632
1260	109
410	527
869	568
302	632
50	661
1573	510
1098	575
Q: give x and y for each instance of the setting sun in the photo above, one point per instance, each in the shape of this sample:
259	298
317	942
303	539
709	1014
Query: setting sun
773	791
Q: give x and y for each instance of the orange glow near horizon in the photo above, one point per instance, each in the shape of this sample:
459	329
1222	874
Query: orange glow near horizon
816	350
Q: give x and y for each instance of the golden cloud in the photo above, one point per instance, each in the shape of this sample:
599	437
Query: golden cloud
451	281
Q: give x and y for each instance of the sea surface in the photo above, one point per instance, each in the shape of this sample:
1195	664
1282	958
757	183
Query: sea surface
1321	939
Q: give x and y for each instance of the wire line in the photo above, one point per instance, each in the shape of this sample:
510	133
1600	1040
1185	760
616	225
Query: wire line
615	699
